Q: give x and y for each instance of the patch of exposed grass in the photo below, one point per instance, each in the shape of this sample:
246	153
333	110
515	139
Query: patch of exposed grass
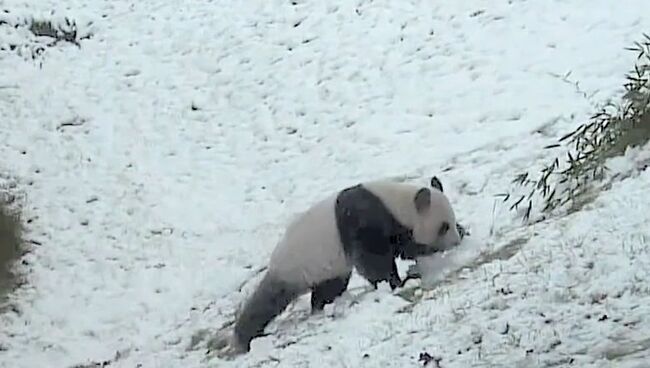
11	245
45	33
66	32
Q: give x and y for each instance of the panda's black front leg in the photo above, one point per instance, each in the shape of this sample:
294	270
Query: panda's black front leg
374	256
377	268
394	281
392	277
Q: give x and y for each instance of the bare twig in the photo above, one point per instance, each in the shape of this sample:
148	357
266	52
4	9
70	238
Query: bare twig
74	122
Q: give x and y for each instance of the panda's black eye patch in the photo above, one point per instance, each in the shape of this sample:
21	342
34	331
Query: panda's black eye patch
443	228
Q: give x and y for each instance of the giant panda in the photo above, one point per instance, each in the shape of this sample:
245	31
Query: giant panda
363	227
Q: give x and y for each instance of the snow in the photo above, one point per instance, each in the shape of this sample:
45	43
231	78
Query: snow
152	214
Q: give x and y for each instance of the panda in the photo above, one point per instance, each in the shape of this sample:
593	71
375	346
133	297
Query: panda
363	227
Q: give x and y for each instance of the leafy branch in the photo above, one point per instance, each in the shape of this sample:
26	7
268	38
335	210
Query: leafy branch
607	133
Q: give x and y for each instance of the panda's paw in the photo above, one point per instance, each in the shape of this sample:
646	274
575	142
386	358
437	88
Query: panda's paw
224	346
329	310
316	311
227	353
338	307
218	341
231	351
413	272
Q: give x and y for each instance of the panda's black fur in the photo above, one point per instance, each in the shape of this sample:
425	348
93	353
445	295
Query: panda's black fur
363	232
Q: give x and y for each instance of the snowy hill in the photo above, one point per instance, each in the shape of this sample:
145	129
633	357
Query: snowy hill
162	156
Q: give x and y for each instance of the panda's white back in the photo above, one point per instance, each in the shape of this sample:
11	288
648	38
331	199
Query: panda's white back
310	250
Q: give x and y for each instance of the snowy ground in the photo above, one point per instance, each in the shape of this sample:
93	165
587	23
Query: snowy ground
203	126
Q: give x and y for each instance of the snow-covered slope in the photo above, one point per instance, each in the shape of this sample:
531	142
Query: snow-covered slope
162	157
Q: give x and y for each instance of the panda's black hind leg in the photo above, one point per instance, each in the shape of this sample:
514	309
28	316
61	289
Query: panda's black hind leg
328	290
267	301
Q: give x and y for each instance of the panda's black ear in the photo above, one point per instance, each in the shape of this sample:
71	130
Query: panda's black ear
435	183
422	199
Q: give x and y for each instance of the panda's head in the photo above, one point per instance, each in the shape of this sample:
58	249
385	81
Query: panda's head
434	223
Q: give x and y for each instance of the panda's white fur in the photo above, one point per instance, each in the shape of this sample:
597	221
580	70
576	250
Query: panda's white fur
310	250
